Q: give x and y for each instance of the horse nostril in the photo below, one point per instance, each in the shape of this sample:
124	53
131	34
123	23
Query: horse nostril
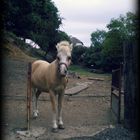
65	71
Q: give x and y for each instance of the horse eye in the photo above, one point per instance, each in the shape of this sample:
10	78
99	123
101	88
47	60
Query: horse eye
69	57
58	58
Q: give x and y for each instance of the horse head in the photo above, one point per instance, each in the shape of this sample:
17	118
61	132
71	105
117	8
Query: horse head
64	50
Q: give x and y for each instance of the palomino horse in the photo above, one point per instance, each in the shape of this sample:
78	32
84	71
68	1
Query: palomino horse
51	78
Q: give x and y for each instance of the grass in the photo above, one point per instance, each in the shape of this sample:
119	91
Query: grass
86	72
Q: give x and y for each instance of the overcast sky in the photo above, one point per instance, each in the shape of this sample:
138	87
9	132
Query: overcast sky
82	17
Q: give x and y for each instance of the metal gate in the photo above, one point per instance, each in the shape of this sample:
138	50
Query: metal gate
116	93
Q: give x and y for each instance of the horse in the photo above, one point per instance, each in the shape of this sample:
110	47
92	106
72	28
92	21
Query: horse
51	78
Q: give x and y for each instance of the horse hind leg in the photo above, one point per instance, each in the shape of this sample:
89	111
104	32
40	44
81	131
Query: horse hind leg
35	103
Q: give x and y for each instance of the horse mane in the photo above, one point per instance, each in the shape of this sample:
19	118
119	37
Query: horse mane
64	43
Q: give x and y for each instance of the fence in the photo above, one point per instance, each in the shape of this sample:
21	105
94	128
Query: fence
117	93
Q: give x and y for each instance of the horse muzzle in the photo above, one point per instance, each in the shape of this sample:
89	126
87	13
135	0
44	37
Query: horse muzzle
63	69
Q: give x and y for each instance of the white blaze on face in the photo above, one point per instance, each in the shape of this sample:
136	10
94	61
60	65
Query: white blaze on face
64	62
63	69
64	56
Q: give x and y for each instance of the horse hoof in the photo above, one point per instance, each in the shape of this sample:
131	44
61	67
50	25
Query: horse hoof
35	115
61	126
54	130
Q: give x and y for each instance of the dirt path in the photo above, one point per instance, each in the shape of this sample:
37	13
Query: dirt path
84	114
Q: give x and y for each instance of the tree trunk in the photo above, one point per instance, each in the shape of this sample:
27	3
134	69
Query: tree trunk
131	86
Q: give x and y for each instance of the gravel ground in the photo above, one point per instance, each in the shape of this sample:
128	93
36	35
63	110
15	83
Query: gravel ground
116	133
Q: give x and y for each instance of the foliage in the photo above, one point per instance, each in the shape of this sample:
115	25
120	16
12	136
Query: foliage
112	51
97	38
121	30
125	25
62	36
106	51
36	20
78	54
92	57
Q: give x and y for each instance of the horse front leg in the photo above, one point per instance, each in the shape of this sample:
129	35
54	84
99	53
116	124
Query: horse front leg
60	103
53	102
36	94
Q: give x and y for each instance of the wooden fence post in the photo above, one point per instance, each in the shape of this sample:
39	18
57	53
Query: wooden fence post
29	95
130	86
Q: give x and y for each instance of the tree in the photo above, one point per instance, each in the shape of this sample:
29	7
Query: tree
92	56
78	54
125	25
106	49
97	38
37	20
120	30
62	36
112	51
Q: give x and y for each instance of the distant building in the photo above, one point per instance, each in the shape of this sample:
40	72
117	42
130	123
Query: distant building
32	43
76	42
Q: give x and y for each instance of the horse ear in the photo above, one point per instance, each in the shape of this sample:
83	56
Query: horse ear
57	46
71	46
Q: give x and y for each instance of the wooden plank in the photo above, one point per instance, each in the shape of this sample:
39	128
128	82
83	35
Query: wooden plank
75	90
97	79
115	105
115	92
